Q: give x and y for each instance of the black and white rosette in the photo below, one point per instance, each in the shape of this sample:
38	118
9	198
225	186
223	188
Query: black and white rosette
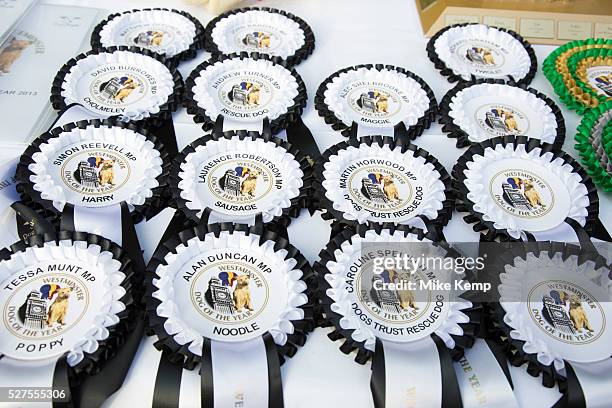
465	52
96	175
264	30
555	302
486	108
67	309
175	34
366	100
376	180
408	340
514	188
234	300
240	177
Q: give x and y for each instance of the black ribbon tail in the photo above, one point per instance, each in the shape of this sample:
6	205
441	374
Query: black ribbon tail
176	225
451	394
94	390
129	239
29	222
63	112
266	127
600	231
207	394
67	218
166	134
61	381
400	132
574	396
300	137
275	382
377	381
588	249
167	383
218	127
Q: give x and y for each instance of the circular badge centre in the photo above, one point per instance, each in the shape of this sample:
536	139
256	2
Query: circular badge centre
600	79
501	119
238	183
258	37
150	36
374	103
382	187
482	56
246	94
522	193
566	312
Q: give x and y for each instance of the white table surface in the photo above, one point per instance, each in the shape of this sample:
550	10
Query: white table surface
348	32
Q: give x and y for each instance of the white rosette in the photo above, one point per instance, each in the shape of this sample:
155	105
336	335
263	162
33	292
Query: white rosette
521	113
407	102
506	55
278	90
101	289
568	195
137	166
424	177
519	289
271	204
234	33
342	299
188	327
85	84
178	32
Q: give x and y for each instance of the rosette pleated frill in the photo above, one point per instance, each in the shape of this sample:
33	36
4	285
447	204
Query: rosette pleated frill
69	311
514	188
377	179
475	111
264	30
376	99
551	318
232	300
471	51
579	73
240	176
174	34
594	143
100	176
415	332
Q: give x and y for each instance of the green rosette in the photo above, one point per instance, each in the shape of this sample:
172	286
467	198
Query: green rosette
557	79
572	65
596	168
606	140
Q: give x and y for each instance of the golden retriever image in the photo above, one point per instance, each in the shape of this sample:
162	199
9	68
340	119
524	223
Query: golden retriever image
157	37
406	297
264	41
253	96
510	121
382	103
578	316
59	308
242	294
107	175
249	184
531	194
128	86
389	188
487	56
11	53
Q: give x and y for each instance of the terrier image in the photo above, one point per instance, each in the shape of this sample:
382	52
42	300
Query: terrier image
531	194
107	175
578	315
242	294
59	308
389	188
249	185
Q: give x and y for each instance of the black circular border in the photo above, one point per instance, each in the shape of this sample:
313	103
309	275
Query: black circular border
165	110
444	214
179	353
297	203
25	187
453	77
414	131
476	218
196	44
470	329
453	131
282	122
299	56
93	363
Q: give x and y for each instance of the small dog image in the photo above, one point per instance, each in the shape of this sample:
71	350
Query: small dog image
242	294
531	194
128	86
389	188
249	184
11	53
59	307
578	315
406	297
107	174
480	55
253	97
